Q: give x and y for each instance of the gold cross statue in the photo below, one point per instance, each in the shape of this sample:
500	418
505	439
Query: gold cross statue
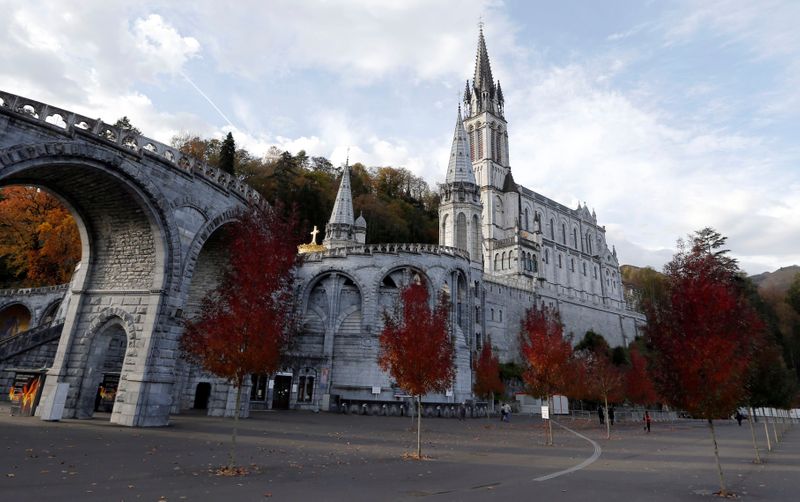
314	235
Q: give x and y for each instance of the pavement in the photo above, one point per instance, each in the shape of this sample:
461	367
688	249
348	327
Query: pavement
296	455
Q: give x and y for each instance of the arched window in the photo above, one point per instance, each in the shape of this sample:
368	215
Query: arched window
564	234
475	232
588	243
572	264
480	144
535	263
584	269
496	256
526	219
537	222
443	237
492	314
503	260
493	141
461	232
472	143
575	237
547	256
509	260
559	262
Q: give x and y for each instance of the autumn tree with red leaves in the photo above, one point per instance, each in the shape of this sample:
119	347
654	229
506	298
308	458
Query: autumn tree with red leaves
487	374
639	387
245	323
700	335
416	348
601	379
547	354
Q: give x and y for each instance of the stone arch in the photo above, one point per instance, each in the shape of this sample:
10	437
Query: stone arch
15	317
49	313
112	333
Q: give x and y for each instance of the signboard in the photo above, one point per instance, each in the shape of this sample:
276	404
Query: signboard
376	390
545	413
26	389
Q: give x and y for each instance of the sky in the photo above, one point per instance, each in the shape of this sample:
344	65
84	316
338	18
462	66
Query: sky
663	116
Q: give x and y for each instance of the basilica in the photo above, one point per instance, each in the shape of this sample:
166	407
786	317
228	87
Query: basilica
502	248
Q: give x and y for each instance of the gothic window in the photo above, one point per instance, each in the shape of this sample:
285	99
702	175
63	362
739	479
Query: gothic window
564	233
476	238
461	232
472	143
526	219
493	143
559	262
509	260
495	261
443	238
535	263
537	221
547	256
588	243
501	316
595	272
584	269
492	314
575	238
480	143
477	315
552	230
503	261
572	264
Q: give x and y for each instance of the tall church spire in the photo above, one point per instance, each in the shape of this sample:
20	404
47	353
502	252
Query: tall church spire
343	207
459	168
340	231
482	80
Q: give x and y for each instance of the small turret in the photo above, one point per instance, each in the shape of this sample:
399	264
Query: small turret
360	229
339	231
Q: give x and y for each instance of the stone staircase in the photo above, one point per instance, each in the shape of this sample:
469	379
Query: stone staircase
28	340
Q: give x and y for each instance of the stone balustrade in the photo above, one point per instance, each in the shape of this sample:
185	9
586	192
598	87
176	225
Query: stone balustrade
71	124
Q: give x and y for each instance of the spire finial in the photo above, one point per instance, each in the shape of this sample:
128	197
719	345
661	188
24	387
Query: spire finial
347	158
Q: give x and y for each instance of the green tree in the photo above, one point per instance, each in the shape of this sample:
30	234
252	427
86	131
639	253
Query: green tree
124	123
227	155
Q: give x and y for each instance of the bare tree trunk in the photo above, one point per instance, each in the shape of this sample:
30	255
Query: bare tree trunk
419	427
766	433
774	430
722	490
608	420
232	454
550	420
753	433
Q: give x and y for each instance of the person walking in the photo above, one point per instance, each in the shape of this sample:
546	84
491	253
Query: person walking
503	412
647	421
601	415
462	410
738	416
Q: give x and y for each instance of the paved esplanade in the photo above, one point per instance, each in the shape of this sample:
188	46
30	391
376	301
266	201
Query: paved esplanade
147	215
306	456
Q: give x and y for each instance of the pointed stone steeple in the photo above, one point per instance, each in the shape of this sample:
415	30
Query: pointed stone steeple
343	207
459	168
339	232
482	80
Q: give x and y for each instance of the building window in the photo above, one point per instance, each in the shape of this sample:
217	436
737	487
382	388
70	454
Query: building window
480	143
535	263
305	389
559	262
492	314
495	261
552	230
564	234
501	316
547	256
503	261
472	144
509	260
584	269
575	238
477	315
572	264
595	272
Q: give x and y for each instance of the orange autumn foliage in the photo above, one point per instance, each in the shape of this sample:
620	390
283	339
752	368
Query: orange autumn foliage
38	237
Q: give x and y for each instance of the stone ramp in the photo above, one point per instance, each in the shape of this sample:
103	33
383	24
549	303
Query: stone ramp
29	340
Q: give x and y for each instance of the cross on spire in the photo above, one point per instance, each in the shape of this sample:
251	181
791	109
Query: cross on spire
314	235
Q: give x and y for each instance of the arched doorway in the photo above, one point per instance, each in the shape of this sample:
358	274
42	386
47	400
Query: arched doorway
101	381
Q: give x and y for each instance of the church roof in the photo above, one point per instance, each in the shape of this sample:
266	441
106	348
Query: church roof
343	207
361	222
482	80
509	185
459	168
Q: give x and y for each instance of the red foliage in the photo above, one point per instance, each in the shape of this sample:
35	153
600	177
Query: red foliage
246	321
546	352
599	378
487	374
701	336
638	384
416	348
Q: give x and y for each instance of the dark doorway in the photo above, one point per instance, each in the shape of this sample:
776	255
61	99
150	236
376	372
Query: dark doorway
280	393
201	396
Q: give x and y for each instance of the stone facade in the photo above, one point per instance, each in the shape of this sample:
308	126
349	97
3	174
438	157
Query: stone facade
148	218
